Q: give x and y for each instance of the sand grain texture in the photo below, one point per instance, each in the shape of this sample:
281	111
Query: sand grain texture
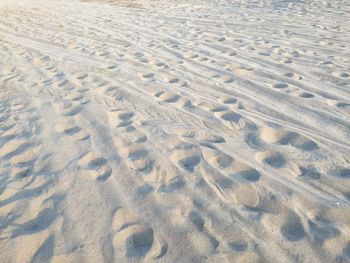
174	131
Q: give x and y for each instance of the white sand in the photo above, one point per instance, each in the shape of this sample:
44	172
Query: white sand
174	131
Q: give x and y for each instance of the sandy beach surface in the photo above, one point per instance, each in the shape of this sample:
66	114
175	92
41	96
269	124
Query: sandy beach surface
175	131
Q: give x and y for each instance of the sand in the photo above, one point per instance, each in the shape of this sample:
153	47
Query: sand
174	131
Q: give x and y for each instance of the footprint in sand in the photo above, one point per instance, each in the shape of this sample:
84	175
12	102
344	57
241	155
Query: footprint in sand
277	160
286	225
228	100
293	76
238	245
74	96
239	171
197	220
225	79
234	120
244	173
102	53
213	107
167	96
201	137
340	172
280	85
341	106
171	183
132	135
191	55
171	80
292	229
112	92
135	240
322	230
120	118
186	156
80	75
201	237
236	192
274	159
68	108
70	128
96	166
137	158
232	180
231	116
147	75
306	95
280	136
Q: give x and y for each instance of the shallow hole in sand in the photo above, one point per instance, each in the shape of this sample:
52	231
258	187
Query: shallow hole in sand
280	86
138	244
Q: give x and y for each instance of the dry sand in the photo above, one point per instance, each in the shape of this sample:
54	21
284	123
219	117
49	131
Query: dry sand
174	131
